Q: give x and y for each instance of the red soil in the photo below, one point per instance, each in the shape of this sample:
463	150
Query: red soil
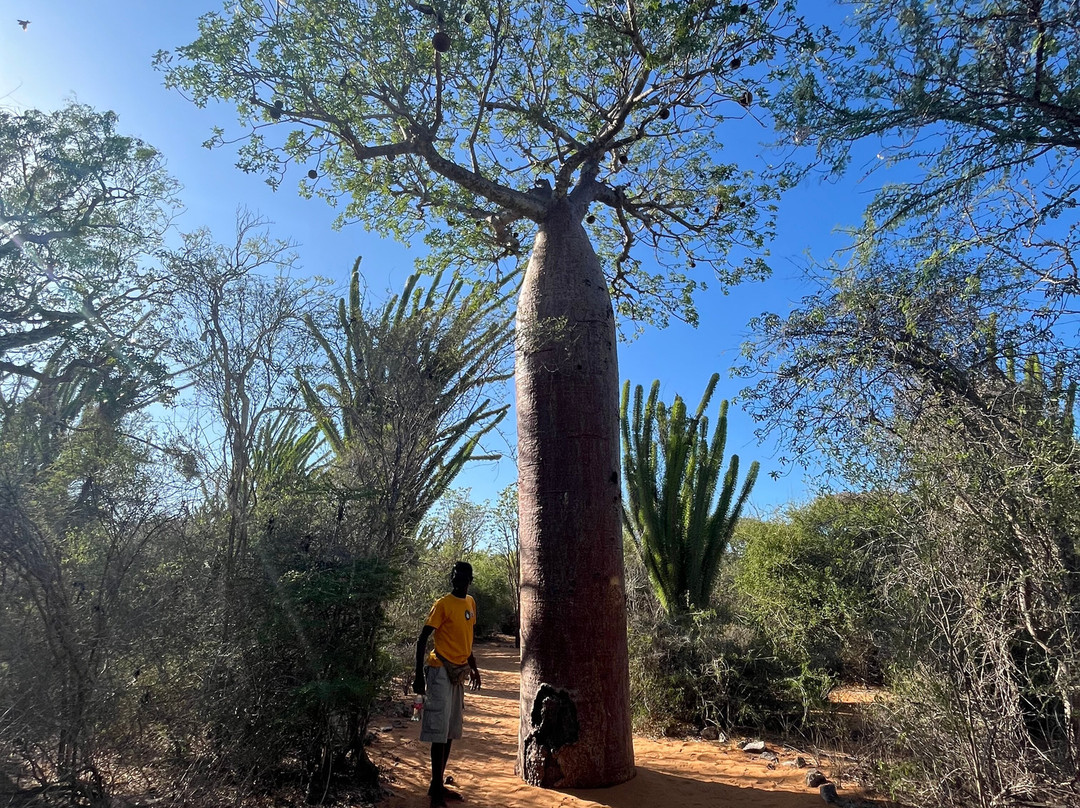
671	773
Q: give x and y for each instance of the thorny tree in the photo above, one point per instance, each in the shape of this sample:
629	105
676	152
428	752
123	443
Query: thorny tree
240	333
82	211
499	118
973	108
909	381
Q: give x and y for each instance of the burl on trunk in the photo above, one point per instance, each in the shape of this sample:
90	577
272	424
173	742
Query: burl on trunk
575	705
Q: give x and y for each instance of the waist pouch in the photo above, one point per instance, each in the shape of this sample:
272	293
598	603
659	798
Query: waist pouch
456	673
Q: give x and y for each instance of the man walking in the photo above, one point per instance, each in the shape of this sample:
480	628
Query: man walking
443	676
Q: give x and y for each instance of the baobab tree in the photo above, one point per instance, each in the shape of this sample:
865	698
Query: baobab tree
477	123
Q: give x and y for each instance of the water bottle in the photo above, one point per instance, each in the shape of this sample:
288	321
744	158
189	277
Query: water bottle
417	707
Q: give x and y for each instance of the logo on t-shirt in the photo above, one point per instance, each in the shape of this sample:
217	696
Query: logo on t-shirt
468	615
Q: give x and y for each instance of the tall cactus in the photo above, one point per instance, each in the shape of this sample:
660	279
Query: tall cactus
679	519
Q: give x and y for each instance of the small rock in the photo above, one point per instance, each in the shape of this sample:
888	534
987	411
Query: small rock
815	778
754	746
710	733
772	757
828	792
800	762
386	729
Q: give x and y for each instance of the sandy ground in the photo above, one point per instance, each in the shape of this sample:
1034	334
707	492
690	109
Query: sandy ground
671	773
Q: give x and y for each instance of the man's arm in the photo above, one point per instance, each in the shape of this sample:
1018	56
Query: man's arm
419	685
474	673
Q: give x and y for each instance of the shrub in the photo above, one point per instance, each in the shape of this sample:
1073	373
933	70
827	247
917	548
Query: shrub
809	582
699	669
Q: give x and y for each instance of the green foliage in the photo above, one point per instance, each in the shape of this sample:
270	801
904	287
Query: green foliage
82	209
304	663
400	408
921	383
336	612
506	548
417	141
702	669
979	95
496	604
678	513
882	345
82	504
810	580
214	610
77	537
456	529
286	456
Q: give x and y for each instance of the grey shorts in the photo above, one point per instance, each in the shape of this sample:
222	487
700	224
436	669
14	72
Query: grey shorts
444	706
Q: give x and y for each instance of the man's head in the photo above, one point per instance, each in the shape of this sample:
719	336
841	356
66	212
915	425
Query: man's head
461	577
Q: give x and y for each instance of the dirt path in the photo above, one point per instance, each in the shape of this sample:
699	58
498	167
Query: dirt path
670	773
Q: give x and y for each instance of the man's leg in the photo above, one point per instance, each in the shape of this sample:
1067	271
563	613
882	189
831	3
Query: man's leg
450	707
440	754
438	766
449	794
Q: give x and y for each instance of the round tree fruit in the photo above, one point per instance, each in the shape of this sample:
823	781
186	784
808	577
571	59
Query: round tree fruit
313	174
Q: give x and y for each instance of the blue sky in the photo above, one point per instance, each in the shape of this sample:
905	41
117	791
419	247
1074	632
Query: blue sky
100	54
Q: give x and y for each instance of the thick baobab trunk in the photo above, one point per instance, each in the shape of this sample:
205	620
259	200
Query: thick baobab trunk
575	701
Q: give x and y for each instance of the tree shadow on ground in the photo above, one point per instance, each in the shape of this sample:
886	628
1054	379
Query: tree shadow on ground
657	788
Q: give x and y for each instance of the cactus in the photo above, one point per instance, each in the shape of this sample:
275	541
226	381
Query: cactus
677	511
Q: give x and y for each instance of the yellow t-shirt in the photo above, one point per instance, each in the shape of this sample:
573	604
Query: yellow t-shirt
453	619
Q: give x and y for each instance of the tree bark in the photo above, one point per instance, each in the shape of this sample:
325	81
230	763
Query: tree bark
575	703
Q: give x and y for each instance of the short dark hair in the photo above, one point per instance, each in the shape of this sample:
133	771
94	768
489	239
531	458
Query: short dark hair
462	566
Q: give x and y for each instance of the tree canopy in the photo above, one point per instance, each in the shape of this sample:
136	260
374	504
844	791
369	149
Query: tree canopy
973	109
939	363
967	248
459	120
82	209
